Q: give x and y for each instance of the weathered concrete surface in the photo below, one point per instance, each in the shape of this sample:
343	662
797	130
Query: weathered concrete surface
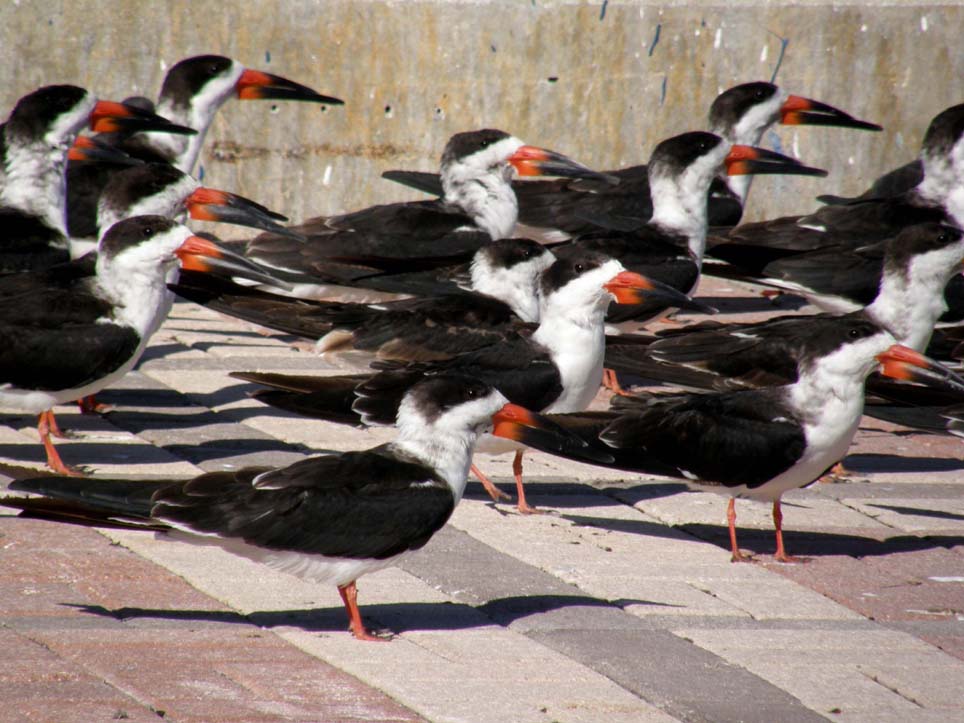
602	81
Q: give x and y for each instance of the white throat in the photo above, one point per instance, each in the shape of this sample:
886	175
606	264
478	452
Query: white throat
35	181
909	305
679	205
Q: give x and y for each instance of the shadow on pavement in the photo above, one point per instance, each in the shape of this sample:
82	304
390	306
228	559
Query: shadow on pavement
866	463
820	544
398	617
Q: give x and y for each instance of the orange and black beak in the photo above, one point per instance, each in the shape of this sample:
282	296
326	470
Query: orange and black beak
798	111
111	117
256	85
520	425
533	161
204	255
86	148
902	362
743	160
632	288
209	204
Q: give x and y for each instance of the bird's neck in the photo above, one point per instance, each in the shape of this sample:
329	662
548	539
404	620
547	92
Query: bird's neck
35	182
575	340
488	199
909	304
447	452
139	293
679	206
520	297
181	151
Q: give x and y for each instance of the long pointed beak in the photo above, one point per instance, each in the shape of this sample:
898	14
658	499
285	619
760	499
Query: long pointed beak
520	425
901	362
743	160
797	110
629	287
210	204
200	254
86	148
110	117
257	85
534	161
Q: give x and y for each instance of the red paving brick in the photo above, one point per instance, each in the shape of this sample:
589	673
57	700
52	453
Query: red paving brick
897	587
76	661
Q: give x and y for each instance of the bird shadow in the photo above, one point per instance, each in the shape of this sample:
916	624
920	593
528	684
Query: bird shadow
821	544
873	463
916	511
399	617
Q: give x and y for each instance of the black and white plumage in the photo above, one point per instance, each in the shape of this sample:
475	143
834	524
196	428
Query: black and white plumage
766	249
34	144
501	295
66	334
161	189
561	209
478	206
330	518
909	273
557	367
760	443
669	247
191	94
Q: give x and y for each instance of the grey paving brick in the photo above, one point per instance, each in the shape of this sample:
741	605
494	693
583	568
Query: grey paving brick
655	664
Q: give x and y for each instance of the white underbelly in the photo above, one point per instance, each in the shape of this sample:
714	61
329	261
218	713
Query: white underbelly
312	567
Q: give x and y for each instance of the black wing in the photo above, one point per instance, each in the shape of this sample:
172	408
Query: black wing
732	439
370	504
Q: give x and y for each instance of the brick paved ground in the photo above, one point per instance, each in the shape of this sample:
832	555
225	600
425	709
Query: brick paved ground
620	606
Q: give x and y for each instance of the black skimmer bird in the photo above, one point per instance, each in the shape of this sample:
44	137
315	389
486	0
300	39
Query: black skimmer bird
561	209
893	183
555	368
937	197
34	145
66	335
329	519
669	247
478	206
760	443
161	189
909	273
500	295
191	94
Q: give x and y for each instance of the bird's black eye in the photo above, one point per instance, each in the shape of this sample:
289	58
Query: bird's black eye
148	231
579	268
943	238
854	333
759	93
527	254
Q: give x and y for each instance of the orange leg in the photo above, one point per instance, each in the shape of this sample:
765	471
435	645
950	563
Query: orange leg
611	382
53	427
349	596
781	555
494	492
837	473
89	405
524	507
731	519
47	425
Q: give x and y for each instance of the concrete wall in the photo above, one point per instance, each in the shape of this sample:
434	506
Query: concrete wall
601	82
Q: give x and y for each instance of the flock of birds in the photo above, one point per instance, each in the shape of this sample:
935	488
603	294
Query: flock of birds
463	313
